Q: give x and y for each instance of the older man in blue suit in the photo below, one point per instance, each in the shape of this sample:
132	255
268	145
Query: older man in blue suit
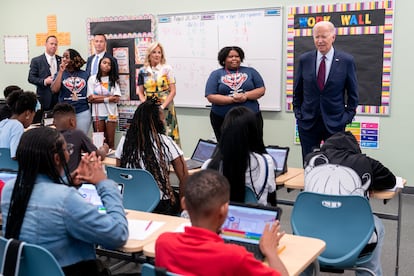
325	95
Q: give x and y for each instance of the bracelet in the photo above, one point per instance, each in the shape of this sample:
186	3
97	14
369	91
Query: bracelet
106	100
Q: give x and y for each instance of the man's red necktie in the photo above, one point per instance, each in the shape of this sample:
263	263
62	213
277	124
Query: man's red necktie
321	74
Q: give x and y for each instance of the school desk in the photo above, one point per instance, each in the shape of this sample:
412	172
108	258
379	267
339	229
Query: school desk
298	254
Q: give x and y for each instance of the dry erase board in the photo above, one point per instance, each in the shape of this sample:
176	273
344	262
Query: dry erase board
192	40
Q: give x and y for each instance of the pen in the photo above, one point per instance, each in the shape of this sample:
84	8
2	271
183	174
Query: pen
280	250
148	226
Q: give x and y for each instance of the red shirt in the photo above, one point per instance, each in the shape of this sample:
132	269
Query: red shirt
199	251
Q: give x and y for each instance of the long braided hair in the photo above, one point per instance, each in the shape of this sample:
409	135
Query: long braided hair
35	155
144	147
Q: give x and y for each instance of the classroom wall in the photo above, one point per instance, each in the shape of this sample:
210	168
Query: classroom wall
18	17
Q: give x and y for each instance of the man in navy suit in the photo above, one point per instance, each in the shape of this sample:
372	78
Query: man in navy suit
41	73
324	105
99	43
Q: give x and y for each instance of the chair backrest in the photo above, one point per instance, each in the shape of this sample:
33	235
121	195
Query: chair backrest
6	162
150	270
249	196
344	222
34	260
141	191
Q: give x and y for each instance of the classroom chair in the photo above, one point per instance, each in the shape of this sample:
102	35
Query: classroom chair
150	270
6	162
249	196
141	192
32	260
344	222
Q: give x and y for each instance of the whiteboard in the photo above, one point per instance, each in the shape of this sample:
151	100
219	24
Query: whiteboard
192	41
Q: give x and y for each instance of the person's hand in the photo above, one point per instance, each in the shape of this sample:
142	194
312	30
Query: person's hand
105	148
90	169
48	80
239	97
62	66
270	239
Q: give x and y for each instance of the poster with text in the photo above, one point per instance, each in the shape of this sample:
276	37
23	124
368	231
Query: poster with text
363	29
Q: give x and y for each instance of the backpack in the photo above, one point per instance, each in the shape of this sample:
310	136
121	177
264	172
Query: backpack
334	179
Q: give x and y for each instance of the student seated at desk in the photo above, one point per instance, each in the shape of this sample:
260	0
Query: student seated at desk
42	208
342	165
5	111
23	108
241	157
145	146
200	250
64	118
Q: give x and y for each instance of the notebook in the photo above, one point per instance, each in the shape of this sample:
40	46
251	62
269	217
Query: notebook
89	193
280	156
203	151
245	224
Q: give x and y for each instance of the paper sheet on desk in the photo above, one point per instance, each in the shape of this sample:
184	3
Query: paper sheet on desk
399	184
180	228
137	228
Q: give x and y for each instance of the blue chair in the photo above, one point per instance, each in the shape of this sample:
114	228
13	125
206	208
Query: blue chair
141	192
344	222
6	162
249	196
34	260
150	270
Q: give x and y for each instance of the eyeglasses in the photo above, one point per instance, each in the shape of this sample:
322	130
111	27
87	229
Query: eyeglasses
70	148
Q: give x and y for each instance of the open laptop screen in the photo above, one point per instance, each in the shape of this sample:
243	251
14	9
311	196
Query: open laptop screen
204	150
279	155
246	223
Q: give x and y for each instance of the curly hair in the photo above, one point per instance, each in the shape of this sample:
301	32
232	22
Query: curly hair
144	147
224	52
113	74
77	59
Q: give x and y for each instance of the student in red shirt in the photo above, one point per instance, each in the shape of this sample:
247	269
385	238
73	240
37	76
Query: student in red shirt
200	250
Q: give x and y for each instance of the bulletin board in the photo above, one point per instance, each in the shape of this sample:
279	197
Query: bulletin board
127	41
192	42
363	29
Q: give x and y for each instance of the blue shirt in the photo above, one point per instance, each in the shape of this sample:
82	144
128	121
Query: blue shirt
60	220
227	82
11	131
75	83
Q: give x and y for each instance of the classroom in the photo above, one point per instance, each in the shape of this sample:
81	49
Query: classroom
29	18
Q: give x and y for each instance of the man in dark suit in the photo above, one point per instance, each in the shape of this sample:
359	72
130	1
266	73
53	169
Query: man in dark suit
41	73
99	43
325	95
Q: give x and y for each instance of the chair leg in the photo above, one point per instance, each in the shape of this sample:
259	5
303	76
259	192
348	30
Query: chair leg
363	269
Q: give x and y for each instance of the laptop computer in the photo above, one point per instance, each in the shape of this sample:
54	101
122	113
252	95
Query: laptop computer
89	193
280	156
245	224
203	151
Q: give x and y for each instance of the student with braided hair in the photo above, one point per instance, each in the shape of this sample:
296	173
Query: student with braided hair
146	146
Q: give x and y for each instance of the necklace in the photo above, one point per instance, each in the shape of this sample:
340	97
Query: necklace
74	90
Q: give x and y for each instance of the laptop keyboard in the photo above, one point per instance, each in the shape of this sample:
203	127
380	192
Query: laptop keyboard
253	248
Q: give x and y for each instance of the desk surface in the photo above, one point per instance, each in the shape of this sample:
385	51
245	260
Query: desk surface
171	224
299	253
298	182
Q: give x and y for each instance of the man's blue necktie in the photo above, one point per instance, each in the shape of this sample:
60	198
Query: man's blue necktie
95	65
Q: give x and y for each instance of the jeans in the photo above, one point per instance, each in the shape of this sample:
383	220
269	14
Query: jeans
83	121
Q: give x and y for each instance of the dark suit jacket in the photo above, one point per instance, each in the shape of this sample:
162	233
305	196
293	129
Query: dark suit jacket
90	59
39	71
331	104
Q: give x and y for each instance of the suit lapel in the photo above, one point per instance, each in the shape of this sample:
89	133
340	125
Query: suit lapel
334	66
